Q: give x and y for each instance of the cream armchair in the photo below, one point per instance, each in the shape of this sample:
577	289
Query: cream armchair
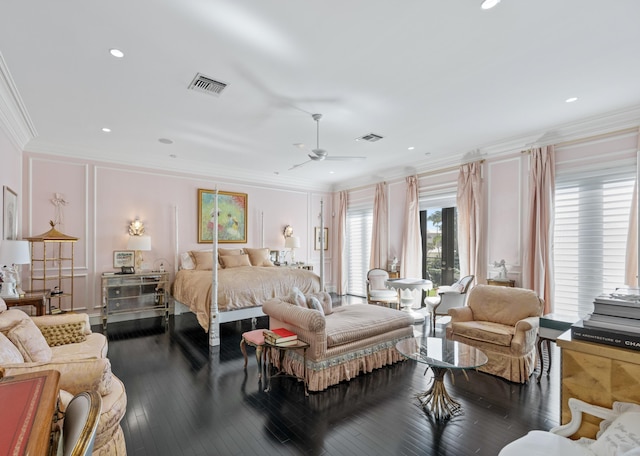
66	343
503	323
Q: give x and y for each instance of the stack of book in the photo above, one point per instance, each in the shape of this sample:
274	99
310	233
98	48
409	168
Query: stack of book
615	320
281	337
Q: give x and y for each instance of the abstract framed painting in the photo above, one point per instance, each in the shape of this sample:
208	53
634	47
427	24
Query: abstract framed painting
232	216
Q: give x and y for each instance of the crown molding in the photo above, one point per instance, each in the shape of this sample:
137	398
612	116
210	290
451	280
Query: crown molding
14	118
609	122
210	172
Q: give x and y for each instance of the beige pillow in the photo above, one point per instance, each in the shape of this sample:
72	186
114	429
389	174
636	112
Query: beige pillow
9	354
234	261
259	257
30	342
227	252
11	318
325	301
3	305
203	260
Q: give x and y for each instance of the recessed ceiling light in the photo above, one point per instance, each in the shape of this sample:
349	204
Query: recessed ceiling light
298	145
410	148
117	53
165	141
106	130
488	4
571	100
332	172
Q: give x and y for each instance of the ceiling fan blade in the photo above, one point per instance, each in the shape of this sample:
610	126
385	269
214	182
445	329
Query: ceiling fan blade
299	165
343	158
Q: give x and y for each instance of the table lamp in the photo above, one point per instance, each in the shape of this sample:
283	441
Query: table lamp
13	252
139	243
293	243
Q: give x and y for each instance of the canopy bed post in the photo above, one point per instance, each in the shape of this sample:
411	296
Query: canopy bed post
176	256
214	324
322	241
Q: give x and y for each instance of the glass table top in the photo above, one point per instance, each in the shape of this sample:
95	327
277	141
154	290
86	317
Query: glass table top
443	353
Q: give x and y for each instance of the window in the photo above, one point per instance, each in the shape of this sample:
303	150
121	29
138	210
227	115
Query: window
590	235
440	245
359	228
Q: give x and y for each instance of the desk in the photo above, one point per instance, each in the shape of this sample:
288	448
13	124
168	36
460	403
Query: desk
34	299
598	374
412	285
29	402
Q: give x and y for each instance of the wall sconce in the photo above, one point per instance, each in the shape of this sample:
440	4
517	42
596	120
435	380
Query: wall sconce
288	231
136	228
293	243
138	241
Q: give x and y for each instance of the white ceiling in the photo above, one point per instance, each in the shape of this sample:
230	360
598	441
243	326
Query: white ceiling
443	76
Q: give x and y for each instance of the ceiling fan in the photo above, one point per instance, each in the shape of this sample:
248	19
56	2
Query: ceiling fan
321	154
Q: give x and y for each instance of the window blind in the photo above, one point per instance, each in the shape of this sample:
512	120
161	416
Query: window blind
590	235
359	228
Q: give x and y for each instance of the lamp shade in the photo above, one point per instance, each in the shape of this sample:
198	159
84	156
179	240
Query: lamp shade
14	252
139	243
292	242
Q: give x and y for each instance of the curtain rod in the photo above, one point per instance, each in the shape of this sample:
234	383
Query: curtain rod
589	138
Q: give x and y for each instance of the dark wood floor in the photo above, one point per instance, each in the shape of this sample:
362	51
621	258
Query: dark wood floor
185	398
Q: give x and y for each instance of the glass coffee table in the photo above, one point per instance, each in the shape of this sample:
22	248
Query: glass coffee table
440	355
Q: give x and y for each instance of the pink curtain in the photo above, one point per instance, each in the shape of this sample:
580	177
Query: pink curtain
380	231
537	268
343	199
469	200
631	260
411	262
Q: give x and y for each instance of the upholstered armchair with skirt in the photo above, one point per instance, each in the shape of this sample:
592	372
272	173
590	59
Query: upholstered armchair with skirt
503	323
66	343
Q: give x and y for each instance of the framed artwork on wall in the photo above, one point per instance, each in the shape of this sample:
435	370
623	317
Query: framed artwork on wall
123	258
318	240
232	216
10	214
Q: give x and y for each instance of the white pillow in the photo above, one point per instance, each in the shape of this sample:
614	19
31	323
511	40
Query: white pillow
3	305
314	304
619	437
30	342
186	262
9	354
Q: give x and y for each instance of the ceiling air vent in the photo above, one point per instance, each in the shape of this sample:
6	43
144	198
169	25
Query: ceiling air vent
202	83
371	137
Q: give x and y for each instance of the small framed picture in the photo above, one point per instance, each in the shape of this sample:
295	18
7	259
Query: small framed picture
123	258
274	256
318	239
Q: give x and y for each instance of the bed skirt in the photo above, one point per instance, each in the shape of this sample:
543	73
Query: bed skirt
333	370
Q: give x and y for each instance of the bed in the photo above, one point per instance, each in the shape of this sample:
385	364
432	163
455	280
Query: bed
246	279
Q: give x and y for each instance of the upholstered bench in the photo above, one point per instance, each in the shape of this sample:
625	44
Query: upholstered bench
344	342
